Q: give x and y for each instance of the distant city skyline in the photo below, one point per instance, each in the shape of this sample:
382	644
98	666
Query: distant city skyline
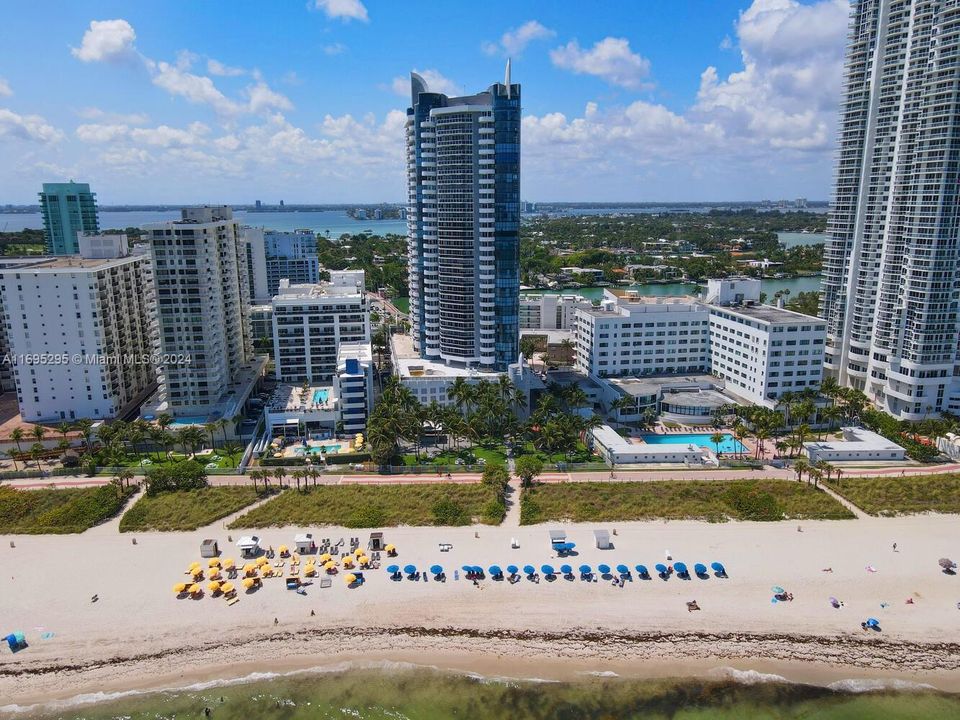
727	101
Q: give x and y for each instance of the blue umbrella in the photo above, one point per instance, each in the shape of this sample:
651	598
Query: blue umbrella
566	569
642	571
468	569
718	568
586	569
513	569
700	569
660	568
569	546
393	569
547	569
529	569
410	569
477	570
680	567
495	570
436	569
623	569
604	569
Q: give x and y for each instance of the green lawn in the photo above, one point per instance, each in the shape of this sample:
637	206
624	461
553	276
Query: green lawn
133	462
362	506
581	455
402	304
187	509
496	454
896	495
715	501
70	510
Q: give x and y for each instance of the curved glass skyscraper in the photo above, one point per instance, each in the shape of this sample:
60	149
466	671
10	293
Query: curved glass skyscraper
463	184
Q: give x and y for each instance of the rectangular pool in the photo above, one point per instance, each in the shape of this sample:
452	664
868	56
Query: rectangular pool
729	444
320	396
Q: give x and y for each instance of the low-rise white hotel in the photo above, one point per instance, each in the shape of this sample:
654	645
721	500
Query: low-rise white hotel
79	331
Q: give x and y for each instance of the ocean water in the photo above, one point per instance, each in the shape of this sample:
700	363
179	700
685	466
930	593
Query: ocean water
403	693
767	285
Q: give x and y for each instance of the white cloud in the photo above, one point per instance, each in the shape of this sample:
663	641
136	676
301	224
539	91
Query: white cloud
27	127
434	79
165	136
215	67
514	41
5	90
610	59
95	113
346	10
106	41
195	88
334	48
100	133
261	98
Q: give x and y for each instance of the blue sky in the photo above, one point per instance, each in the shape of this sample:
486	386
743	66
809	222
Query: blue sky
645	101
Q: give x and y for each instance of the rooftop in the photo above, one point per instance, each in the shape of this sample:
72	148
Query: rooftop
409	363
767	314
855	438
644	386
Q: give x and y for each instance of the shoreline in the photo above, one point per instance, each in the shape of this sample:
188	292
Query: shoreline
845	663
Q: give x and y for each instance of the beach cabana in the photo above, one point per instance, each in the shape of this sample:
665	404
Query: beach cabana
249	546
209	549
376	541
305	544
602	538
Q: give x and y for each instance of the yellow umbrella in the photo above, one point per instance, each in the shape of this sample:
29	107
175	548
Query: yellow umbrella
248	583
326	557
330	566
266	571
213	587
195	588
195	563
228	563
262	561
282	549
359	551
179	588
249	568
390	548
348	561
350	579
310	569
227	587
197	572
214	574
214	562
363	560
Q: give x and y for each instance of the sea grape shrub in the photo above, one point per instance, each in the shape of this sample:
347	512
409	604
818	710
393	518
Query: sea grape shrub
185	475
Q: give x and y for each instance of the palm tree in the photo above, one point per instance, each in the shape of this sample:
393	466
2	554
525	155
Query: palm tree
36	451
63	428
222	427
299	475
85	426
280	473
11	456
717	438
237	421
17	435
800	466
825	468
210	428
781	447
38	432
739	432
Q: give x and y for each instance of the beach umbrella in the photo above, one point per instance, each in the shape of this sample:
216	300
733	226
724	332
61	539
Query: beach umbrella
947	563
196	571
228	563
226	588
873	622
566	569
718	568
248	583
477	570
623	569
326	557
350	578
547	569
359	551
363	560
282	549
604	569
214	574
310	570
214	562
410	569
348	561
495	570
700	569
569	546
777	590
468	569
195	563
393	569
213	586
261	561
529	569
513	569
266	571
642	571
195	588
586	569
179	588
660	568
390	548
436	569
330	566
680	567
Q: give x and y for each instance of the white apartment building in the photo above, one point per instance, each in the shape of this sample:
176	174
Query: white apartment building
203	328
634	335
892	260
310	322
79	331
272	255
758	350
8	382
550	312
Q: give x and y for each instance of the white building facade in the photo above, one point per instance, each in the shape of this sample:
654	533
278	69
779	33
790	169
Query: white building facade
272	255
891	260
79	331
550	312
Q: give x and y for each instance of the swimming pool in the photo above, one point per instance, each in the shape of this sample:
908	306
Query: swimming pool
192	420
729	444
320	396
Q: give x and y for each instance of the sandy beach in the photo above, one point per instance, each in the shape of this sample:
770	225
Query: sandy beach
139	635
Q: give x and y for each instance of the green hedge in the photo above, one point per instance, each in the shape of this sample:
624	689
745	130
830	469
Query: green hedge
187	509
55	511
347	458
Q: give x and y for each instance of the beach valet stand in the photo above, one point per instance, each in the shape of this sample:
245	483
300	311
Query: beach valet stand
305	544
249	546
557	538
602	538
209	549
